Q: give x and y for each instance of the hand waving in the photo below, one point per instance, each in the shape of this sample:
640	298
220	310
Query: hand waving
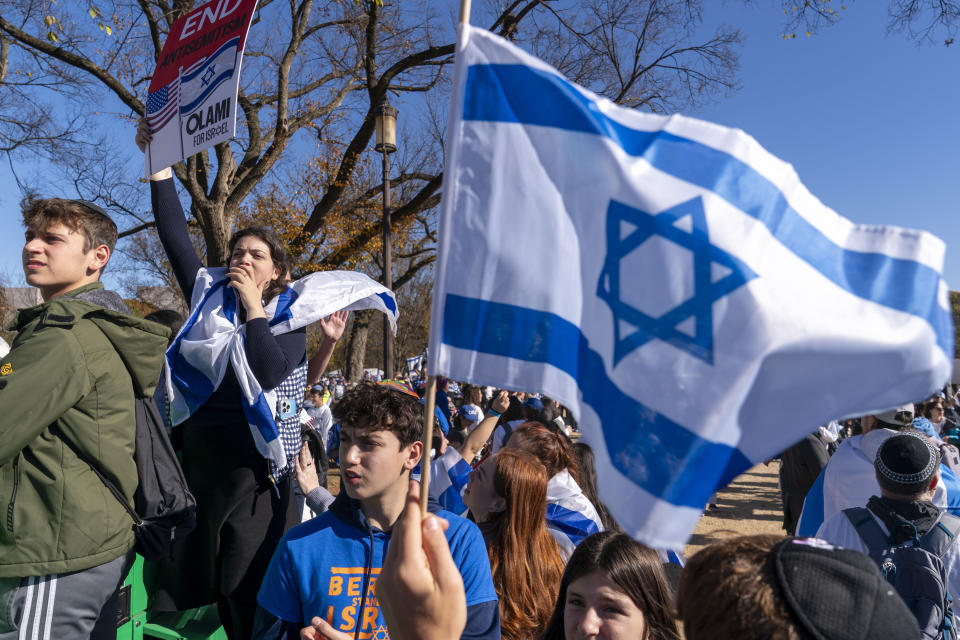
333	325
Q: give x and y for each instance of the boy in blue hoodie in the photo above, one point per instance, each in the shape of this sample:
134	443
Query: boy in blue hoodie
328	566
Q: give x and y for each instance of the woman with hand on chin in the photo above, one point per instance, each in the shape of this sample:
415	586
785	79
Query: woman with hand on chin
244	498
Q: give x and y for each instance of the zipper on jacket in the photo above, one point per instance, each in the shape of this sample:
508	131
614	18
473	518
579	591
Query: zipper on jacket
366	581
13	494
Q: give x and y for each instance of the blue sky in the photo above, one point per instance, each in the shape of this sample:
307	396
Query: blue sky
868	120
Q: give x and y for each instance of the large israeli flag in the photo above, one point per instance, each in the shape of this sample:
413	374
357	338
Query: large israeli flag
667	279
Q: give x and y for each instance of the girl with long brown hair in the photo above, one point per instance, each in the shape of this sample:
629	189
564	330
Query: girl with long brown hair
507	496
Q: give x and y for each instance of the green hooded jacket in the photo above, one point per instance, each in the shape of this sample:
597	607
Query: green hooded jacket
72	372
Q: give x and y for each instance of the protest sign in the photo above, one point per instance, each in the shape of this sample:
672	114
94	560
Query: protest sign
192	101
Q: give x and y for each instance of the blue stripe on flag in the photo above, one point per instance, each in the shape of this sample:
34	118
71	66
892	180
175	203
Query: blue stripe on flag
190	75
452	501
665	458
284	311
388	302
574	524
524	95
229	303
676	558
260	415
951	484
194	385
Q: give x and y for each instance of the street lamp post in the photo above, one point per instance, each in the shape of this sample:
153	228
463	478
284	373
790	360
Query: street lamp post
386	143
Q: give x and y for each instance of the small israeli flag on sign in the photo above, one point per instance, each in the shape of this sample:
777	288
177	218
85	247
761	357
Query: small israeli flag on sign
667	279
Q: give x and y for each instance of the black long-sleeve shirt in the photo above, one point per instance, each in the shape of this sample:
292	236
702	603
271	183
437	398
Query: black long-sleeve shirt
271	358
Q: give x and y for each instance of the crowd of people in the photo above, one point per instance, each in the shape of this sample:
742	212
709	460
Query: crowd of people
518	543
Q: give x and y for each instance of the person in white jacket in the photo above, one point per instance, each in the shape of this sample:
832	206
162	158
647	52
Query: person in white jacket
907	473
849	479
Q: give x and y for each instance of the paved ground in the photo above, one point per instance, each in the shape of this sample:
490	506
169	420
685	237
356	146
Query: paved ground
751	504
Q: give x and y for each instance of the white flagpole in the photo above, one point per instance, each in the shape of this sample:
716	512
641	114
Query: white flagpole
431	390
179	118
431	397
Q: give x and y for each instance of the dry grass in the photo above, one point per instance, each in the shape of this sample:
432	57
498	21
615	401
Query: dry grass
750	505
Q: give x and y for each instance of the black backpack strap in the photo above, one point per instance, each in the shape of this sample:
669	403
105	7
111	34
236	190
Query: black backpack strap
868	529
942	536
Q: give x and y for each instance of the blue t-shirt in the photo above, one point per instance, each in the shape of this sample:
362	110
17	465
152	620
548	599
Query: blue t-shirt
326	567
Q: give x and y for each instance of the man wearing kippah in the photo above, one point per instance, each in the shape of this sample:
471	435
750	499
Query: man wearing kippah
908	471
849	479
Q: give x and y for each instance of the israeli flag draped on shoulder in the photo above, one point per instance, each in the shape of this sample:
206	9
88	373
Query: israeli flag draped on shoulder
213	337
449	475
667	279
571	516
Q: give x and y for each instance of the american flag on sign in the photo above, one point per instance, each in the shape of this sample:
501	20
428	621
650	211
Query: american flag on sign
162	105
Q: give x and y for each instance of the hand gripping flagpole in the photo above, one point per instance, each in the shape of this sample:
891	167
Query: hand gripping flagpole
431	389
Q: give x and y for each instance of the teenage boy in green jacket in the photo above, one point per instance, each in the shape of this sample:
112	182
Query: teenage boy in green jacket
68	384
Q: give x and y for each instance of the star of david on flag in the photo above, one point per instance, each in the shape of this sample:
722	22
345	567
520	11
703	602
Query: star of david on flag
206	75
699	307
669	281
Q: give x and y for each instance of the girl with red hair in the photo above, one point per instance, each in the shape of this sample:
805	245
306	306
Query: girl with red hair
507	496
571	516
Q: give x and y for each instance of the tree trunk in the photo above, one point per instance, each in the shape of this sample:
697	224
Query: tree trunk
217	225
357	344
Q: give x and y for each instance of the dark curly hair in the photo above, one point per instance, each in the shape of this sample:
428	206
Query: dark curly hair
370	405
